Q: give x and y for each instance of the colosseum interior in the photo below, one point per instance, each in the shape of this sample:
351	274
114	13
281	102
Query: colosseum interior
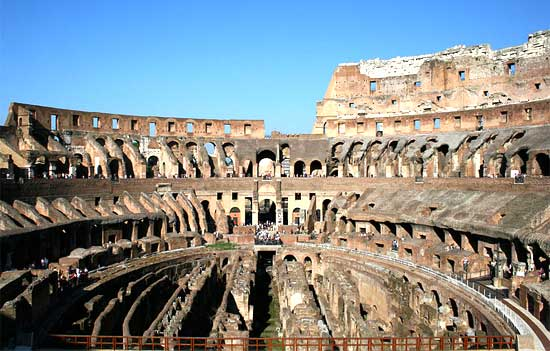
415	216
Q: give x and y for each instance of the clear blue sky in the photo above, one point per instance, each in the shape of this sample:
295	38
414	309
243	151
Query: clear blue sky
270	60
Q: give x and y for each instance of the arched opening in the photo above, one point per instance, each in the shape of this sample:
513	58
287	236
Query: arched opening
435	297
299	169
229	155
266	212
152	167
308	267
100	141
285	160
316	168
471	321
114	167
211	224
80	170
192	152
127	162
266	163
247	167
289	258
210	149
99	171
454	307
173	145
296	216
212	152
325	208
543	164
337	149
235	216
524	156
355	153
500	165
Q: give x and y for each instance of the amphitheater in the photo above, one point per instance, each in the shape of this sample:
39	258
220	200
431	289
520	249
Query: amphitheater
415	216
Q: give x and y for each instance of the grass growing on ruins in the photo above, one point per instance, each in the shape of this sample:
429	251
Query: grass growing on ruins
222	246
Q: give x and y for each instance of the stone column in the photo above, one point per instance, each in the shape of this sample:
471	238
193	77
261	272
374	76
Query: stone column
151	227
135	231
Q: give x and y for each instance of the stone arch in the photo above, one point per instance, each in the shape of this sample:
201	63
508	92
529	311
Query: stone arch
299	168
316	168
128	165
152	166
521	158
337	150
247	167
80	170
267	211
114	168
235	216
210	148
435	296
289	258
284	156
355	153
265	160
541	165
454	307
213	157
325	205
100	141
296	216
471	319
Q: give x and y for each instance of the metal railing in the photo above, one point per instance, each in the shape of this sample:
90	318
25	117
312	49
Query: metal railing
287	344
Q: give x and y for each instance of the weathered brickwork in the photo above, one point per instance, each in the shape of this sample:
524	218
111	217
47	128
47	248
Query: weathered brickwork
418	169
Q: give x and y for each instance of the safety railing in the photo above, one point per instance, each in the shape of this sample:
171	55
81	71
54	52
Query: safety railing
287	344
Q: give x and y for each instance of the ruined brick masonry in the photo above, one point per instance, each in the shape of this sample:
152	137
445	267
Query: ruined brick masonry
440	161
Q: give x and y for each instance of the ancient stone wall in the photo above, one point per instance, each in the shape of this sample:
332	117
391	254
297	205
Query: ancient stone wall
456	82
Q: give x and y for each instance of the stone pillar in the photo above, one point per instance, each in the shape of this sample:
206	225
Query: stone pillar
514	252
279	214
255	212
151	227
135	231
340	170
164	228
